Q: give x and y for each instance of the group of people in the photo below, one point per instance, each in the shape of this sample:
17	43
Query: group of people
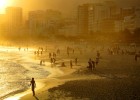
130	51
71	63
91	64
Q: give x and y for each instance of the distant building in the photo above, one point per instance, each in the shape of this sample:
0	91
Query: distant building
129	23
110	26
107	25
14	18
119	25
89	16
127	11
2	23
92	16
83	19
37	21
137	18
69	27
44	21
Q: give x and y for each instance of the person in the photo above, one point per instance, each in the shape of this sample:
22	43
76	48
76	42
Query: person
19	48
71	63
136	57
41	62
97	61
93	65
33	85
52	60
90	64
76	61
68	53
63	64
58	51
73	51
50	55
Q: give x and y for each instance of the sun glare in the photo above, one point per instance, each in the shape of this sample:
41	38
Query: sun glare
3	5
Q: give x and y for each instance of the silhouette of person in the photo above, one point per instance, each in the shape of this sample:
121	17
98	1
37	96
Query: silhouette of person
93	65
33	85
90	64
71	63
41	62
76	61
50	55
63	64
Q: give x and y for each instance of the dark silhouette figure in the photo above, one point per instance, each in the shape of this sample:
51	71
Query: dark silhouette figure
71	63
50	55
58	51
41	62
52	60
90	64
93	65
33	85
73	51
97	61
76	61
136	57
19	48
68	53
63	64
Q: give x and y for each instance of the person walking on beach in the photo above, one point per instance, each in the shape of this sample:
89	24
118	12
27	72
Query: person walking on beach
33	85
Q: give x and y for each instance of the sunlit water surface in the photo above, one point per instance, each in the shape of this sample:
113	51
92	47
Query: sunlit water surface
16	70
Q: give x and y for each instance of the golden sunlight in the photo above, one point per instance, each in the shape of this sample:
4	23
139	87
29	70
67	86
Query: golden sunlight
4	4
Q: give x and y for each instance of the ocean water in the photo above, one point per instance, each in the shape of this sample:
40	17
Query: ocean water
16	70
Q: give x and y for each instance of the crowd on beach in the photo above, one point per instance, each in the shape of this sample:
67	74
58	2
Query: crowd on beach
91	64
54	54
57	56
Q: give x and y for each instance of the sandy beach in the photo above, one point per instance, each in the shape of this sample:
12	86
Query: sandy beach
116	77
69	49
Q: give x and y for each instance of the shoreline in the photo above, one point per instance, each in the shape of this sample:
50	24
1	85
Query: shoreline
111	68
54	82
51	80
20	94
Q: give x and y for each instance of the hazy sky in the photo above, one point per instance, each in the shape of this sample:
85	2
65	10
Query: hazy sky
66	6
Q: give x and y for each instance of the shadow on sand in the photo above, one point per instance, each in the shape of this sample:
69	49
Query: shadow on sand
36	97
